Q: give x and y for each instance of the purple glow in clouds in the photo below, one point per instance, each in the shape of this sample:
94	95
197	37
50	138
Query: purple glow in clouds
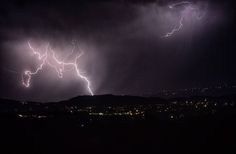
190	10
49	58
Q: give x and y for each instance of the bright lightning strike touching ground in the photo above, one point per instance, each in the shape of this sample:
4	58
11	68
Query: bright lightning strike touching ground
49	58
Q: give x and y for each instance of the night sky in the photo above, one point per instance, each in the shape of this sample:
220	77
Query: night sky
123	44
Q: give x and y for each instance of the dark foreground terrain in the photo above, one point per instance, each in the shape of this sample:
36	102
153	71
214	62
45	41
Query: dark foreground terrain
119	124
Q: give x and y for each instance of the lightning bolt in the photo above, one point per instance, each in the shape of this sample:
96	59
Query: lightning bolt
181	19
176	28
179	3
49	58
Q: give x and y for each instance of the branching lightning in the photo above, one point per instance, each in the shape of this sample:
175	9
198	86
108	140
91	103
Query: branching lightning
49	58
187	5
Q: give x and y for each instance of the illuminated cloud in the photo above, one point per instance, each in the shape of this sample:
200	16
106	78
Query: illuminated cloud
49	57
124	45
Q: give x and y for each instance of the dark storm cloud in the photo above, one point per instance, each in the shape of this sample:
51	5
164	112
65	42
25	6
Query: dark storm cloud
124	49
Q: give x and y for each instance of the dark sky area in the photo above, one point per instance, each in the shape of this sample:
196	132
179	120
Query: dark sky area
123	44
